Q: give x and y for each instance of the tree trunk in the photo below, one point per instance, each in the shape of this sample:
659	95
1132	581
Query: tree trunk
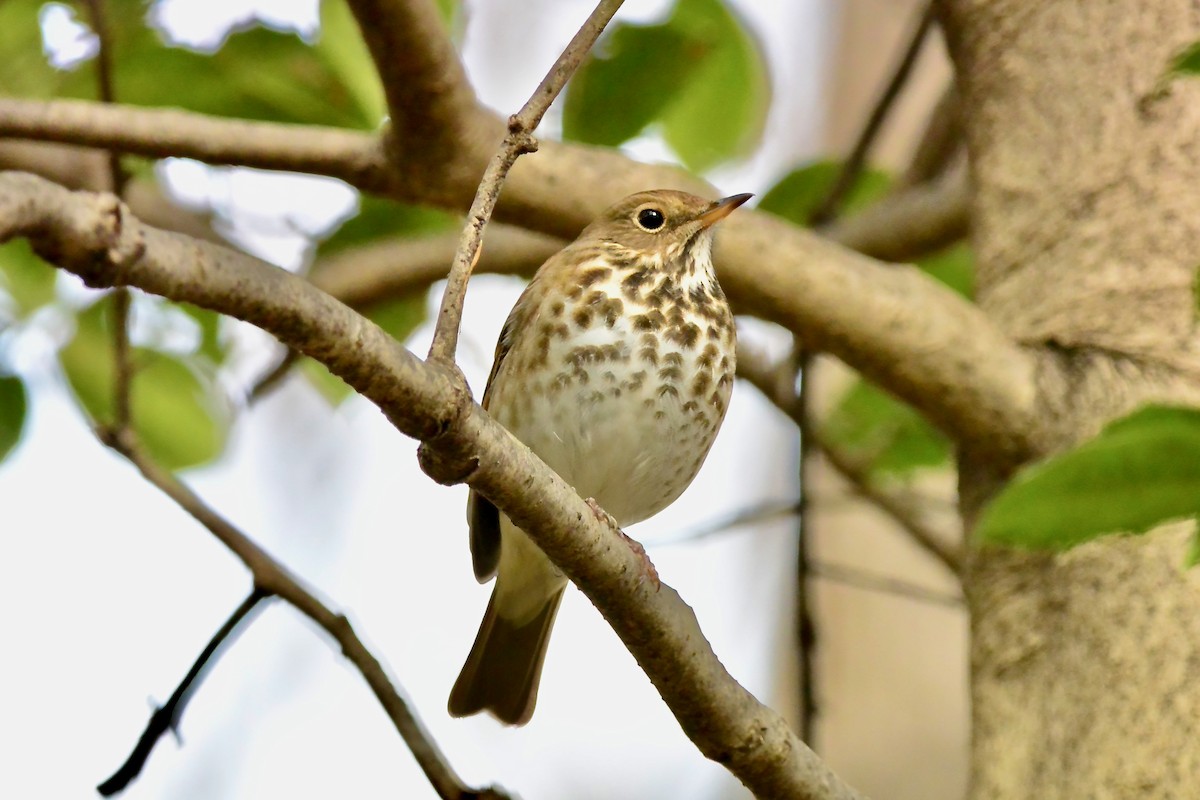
1086	219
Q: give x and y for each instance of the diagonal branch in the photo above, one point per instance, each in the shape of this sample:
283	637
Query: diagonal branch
753	368
852	166
167	717
95	237
518	142
271	578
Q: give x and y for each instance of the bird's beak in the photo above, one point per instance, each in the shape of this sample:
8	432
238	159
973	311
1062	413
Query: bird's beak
721	209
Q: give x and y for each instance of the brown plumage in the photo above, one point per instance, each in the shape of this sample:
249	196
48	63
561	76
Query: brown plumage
615	367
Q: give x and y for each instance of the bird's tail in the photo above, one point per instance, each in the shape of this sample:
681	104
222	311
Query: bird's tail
502	671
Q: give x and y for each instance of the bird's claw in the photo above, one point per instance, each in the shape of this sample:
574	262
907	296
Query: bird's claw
647	565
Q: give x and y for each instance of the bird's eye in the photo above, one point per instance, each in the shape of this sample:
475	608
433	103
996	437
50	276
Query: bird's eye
650	219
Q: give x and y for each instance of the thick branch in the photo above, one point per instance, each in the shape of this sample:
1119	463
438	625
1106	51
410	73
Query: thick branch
383	270
908	334
96	238
753	368
518	142
911	222
161	133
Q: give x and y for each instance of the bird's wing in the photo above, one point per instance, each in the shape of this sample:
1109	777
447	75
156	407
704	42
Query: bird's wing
482	516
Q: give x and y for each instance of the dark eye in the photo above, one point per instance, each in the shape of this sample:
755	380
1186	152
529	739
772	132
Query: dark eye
650	219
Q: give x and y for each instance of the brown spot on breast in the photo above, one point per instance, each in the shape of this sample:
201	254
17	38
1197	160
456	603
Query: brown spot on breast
582	316
674	358
651	320
668	389
701	383
612	311
594	275
557	308
670	374
649	353
631	285
685	335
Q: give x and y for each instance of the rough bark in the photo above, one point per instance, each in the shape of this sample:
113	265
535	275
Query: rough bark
1086	216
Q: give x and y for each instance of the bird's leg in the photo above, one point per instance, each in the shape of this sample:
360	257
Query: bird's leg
603	516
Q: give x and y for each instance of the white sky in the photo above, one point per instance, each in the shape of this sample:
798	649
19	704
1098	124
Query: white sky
112	592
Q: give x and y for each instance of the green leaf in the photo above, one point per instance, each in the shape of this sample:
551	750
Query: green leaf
342	49
613	97
1187	61
209	322
872	426
1140	471
724	108
954	266
799	193
178	412
257	73
24	70
13	407
700	74
27	279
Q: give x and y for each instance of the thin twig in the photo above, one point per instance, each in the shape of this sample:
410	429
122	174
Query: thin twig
271	577
799	371
118	178
939	141
518	142
853	165
274	376
861	579
166	717
751	366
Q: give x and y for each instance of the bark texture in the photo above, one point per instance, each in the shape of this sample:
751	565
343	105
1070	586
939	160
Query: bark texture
1086	214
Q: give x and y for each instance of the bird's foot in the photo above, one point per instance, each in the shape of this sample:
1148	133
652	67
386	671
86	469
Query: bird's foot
648	566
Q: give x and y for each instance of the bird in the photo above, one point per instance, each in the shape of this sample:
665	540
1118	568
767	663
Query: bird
615	367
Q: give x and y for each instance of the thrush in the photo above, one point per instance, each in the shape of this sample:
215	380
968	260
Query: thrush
615	367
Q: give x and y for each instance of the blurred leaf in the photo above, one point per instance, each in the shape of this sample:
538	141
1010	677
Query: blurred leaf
722	112
874	427
328	385
24	70
341	47
1187	61
614	96
700	73
25	276
13	404
257	73
177	411
1140	471
378	218
799	193
954	266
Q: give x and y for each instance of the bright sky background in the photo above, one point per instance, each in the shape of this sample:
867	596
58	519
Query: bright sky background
111	591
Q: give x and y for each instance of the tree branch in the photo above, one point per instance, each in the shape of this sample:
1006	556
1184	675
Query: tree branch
166	718
95	237
911	222
365	275
853	165
904	331
940	140
518	142
753	368
272	578
356	158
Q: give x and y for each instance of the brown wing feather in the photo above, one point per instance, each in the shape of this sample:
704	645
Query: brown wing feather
483	517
